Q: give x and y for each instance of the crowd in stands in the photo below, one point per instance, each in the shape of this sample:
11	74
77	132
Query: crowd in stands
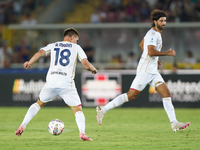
12	11
17	54
108	11
139	10
19	11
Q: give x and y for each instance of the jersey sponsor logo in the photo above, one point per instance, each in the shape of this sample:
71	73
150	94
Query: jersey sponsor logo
151	40
139	86
58	72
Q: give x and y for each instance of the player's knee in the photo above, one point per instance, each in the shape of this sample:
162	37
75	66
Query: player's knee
132	97
165	94
75	109
40	103
132	94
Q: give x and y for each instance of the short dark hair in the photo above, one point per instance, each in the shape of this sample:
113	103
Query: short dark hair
70	31
156	14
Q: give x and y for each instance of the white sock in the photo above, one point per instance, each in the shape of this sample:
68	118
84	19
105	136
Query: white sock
169	108
80	121
32	111
116	102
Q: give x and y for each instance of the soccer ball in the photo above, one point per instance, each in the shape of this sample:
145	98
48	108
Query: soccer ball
56	127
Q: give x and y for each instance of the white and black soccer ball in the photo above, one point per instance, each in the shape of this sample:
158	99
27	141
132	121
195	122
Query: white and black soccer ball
56	127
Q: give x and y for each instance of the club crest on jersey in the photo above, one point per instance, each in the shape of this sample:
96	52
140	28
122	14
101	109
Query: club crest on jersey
151	40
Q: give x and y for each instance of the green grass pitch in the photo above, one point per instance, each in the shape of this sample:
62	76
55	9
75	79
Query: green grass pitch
122	129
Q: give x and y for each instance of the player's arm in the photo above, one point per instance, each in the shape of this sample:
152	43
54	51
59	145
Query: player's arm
141	44
35	57
88	66
153	52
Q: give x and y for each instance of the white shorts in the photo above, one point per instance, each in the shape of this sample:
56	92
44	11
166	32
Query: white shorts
143	78
70	96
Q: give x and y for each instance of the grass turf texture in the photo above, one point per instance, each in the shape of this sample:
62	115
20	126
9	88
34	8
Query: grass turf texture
122	129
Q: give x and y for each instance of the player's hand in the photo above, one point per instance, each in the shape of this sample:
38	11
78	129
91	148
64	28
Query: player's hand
94	71
171	52
27	65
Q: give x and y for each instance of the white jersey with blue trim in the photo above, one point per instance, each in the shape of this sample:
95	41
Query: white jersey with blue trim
63	63
147	63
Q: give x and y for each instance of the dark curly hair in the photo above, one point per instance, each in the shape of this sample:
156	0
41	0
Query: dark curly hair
156	14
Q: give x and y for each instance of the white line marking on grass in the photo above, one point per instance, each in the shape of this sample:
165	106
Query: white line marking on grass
68	130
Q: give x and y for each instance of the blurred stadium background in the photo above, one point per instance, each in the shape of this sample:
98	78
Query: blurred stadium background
110	32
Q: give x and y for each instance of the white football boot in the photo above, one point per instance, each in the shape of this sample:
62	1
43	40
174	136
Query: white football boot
100	115
176	126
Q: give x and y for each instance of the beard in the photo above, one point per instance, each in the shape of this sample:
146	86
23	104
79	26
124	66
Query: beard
160	27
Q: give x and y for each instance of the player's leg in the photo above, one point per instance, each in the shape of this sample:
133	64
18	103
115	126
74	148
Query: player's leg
80	121
79	117
167	101
120	100
32	111
125	97
72	99
45	96
163	90
116	102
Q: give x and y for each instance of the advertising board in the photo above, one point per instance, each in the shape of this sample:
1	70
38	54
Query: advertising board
21	88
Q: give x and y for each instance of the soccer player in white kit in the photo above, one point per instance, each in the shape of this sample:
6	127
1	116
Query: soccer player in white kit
60	78
147	73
